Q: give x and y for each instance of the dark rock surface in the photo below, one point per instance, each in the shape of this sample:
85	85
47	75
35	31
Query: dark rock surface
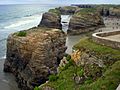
32	58
51	20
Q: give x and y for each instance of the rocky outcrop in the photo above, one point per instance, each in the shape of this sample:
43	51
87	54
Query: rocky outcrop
84	21
33	57
114	12
68	10
51	20
109	11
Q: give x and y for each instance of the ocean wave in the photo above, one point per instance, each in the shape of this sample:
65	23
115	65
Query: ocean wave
3	39
23	21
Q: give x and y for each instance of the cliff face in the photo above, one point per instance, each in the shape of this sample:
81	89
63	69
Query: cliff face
51	20
32	58
109	11
84	21
114	12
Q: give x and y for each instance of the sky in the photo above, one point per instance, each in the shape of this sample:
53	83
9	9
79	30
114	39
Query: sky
59	1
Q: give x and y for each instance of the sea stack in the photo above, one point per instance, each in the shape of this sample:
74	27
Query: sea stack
85	20
51	20
33	55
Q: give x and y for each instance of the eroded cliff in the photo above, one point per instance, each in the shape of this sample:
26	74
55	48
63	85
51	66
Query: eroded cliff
85	20
34	56
51	20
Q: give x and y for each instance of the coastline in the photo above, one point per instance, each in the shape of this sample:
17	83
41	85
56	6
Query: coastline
7	80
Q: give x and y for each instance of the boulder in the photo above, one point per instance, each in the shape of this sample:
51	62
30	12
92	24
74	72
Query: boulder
51	20
84	21
32	58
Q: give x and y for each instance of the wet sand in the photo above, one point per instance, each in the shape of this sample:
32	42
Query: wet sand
7	80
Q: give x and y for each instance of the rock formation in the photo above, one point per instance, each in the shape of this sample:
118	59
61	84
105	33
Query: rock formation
109	11
35	56
114	12
68	10
84	21
51	20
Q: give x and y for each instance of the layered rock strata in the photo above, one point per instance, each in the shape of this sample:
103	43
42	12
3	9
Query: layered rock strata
33	57
82	22
51	20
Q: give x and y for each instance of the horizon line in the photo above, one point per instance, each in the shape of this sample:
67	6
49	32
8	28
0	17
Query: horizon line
59	4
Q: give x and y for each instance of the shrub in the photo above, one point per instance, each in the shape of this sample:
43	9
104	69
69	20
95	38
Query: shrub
36	88
53	77
68	57
80	72
22	34
70	63
89	80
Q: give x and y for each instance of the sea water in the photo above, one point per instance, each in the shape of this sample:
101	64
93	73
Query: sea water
14	18
18	17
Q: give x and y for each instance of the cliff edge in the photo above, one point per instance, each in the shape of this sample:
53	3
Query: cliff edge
34	54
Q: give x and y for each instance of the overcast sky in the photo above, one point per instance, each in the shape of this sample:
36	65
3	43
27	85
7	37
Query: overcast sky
59	1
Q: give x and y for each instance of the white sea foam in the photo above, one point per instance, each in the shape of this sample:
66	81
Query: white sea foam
4	57
24	21
5	81
18	23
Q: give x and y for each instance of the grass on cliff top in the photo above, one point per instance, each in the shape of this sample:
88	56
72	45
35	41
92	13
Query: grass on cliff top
88	44
22	33
69	7
86	11
55	11
64	81
109	81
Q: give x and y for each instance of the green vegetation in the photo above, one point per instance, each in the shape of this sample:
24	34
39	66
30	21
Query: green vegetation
22	33
108	54
109	81
65	81
55	11
107	6
36	88
109	77
69	8
68	57
53	78
86	11
70	63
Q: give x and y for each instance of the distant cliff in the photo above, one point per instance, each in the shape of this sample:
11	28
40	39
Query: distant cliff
107	11
34	54
51	20
85	20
